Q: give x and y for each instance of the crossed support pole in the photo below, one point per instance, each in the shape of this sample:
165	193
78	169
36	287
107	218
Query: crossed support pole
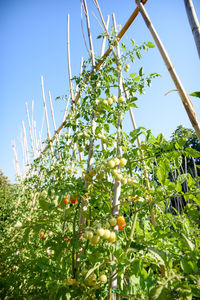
187	103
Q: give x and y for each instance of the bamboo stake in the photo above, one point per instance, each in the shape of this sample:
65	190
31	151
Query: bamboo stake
98	65
69	61
183	94
18	172
194	23
104	38
26	145
23	155
89	32
46	114
45	108
40	141
30	131
54	123
35	136
90	152
117	188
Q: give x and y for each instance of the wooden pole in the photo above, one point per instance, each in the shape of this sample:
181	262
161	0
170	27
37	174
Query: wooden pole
117	188
69	60
183	94
194	23
54	123
18	173
89	32
26	145
30	131
45	108
46	114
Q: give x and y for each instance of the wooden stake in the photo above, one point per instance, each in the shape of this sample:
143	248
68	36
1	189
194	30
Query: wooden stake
89	32
45	108
18	172
27	158
30	131
194	23
54	123
117	188
183	94
69	60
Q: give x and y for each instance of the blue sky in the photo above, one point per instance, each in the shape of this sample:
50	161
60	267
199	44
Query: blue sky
33	38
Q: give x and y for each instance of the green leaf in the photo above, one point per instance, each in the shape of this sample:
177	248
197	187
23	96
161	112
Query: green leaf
150	45
195	94
192	152
106	127
159	254
189	244
96	266
182	178
133	74
43	204
155	292
141	71
162	171
138	54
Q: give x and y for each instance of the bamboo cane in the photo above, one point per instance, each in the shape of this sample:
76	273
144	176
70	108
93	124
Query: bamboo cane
69	60
183	94
98	65
90	152
18	172
46	114
194	23
26	145
23	155
117	188
89	32
30	131
54	123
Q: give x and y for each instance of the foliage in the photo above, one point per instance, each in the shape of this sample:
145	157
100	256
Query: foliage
62	240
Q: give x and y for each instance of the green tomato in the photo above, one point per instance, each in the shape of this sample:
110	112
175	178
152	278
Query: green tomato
113	221
122	162
100	231
121	99
110	101
114	98
95	240
103	278
106	234
111	164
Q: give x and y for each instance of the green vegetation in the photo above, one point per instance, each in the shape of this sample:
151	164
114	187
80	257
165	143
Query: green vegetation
61	236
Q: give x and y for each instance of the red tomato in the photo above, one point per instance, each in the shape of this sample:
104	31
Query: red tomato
73	201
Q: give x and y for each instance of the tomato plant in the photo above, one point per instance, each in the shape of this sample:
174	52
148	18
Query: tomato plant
71	247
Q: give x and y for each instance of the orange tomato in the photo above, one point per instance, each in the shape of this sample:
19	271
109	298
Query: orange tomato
66	200
121	221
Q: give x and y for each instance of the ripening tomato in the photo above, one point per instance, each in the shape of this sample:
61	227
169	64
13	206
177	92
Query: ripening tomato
66	200
121	221
73	201
95	240
100	231
112	237
106	234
